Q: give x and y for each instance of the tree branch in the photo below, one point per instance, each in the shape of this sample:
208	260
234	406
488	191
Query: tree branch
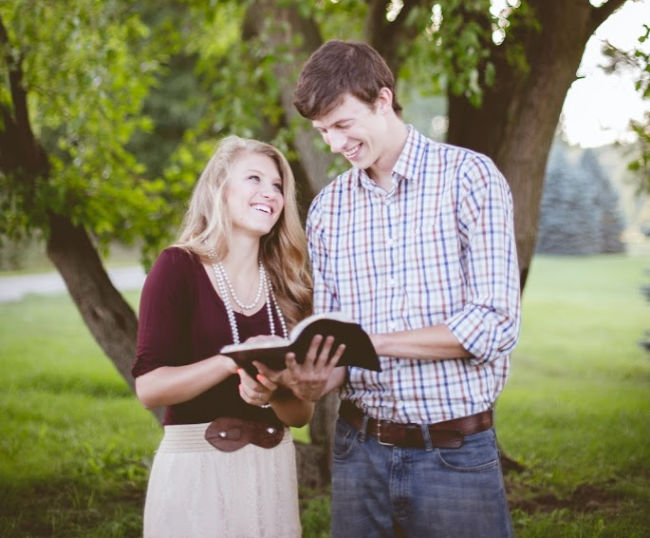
4	38
20	148
18	93
277	26
386	36
375	24
599	14
7	141
10	130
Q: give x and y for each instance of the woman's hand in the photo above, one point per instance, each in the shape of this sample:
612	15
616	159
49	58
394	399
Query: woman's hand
257	391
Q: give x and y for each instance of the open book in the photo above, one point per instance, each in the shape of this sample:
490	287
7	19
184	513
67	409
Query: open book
359	350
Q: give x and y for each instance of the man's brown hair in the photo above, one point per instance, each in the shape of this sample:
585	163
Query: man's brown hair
337	68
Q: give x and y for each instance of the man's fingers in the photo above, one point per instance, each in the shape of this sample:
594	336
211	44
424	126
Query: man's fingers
290	361
336	357
325	350
312	352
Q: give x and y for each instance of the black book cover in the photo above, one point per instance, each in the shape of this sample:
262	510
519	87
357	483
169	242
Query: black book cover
359	350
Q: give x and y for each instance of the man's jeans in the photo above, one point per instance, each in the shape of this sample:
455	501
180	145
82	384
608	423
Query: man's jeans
380	490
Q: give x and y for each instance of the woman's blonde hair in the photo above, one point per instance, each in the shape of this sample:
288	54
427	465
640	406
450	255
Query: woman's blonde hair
283	251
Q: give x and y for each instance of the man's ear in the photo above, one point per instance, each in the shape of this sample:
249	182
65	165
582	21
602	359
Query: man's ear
384	101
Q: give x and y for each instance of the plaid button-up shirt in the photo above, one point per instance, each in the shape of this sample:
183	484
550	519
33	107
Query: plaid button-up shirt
438	248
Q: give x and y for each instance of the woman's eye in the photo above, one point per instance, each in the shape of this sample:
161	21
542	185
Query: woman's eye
254	178
278	187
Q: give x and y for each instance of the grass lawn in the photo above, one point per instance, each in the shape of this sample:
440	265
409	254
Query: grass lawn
75	445
576	409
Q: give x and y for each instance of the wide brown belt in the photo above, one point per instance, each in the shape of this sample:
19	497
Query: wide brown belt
229	434
446	434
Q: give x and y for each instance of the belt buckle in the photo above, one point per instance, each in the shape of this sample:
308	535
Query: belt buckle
379	422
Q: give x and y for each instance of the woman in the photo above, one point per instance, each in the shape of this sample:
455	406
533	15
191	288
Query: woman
226	463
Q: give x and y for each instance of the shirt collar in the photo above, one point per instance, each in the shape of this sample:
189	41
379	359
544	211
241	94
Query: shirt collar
407	165
409	161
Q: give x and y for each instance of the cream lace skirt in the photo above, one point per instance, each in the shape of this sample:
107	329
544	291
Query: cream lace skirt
197	491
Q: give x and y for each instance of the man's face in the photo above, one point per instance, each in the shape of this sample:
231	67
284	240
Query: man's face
356	130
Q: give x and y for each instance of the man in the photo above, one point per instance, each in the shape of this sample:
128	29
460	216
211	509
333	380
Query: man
416	243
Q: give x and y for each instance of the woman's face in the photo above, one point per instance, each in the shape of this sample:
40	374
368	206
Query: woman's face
254	198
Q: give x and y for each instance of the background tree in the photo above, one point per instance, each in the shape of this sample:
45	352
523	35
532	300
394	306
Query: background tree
611	222
579	208
75	78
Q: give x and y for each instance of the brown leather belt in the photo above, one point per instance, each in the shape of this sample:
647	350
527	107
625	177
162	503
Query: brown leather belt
446	434
229	433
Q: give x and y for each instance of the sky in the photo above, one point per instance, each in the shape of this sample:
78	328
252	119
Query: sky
598	107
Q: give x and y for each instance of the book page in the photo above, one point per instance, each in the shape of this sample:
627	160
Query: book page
299	327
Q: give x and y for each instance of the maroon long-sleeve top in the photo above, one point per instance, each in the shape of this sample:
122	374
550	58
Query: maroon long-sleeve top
182	321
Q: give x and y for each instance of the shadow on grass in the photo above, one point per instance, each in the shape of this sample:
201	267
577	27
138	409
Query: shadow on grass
611	508
584	498
66	508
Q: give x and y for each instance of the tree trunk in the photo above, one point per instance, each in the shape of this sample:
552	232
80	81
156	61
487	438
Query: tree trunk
278	27
109	317
519	115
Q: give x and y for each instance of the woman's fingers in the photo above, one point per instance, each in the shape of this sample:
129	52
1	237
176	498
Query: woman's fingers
273	375
254	397
266	382
255	391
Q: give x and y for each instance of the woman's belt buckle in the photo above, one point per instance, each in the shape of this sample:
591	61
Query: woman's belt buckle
229	434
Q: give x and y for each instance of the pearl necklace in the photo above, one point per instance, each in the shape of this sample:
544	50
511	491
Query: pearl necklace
260	285
270	298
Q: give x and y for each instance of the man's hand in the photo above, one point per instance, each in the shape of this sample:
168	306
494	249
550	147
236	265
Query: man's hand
313	378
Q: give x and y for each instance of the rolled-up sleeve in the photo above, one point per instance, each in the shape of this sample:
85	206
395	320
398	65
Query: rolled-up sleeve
488	324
